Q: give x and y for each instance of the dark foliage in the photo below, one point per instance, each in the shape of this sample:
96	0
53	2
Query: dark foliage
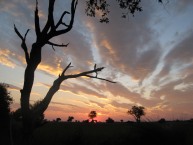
17	115
58	119
130	5
162	120
70	118
5	101
110	120
137	112
92	115
98	5
102	6
85	121
40	120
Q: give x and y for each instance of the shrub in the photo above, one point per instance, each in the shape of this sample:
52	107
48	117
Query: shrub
110	120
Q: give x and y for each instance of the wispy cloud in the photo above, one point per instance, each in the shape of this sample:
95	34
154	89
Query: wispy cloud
5	59
150	58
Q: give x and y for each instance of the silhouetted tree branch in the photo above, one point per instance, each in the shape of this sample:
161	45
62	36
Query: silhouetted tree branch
56	85
58	45
23	44
61	18
37	23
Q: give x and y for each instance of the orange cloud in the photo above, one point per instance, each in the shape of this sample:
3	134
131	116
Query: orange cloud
5	58
49	69
105	43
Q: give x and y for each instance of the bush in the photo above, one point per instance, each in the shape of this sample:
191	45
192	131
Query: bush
162	120
110	120
5	102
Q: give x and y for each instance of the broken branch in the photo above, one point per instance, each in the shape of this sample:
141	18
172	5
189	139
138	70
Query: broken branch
58	45
69	65
18	33
69	27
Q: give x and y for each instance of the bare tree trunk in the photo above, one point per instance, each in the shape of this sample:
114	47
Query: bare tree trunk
27	114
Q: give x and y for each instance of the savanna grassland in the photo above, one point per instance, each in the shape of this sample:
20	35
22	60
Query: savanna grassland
144	133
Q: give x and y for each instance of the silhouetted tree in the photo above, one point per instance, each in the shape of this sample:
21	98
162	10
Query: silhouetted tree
58	119
5	101
110	120
70	118
50	30
121	120
92	115
137	112
162	120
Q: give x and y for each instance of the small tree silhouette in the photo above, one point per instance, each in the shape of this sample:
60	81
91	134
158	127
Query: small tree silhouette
162	120
58	119
70	118
92	115
110	120
137	112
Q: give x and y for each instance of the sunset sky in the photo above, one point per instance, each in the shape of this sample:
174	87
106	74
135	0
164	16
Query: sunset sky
150	56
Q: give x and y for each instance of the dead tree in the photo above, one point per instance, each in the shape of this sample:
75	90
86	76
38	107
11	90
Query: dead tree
33	59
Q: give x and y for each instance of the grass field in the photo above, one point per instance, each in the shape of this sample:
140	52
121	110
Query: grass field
145	133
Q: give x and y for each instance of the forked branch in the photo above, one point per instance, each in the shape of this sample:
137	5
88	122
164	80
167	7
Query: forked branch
50	29
23	44
61	18
69	27
64	71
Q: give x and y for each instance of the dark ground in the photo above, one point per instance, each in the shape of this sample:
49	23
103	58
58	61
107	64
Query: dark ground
145	133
